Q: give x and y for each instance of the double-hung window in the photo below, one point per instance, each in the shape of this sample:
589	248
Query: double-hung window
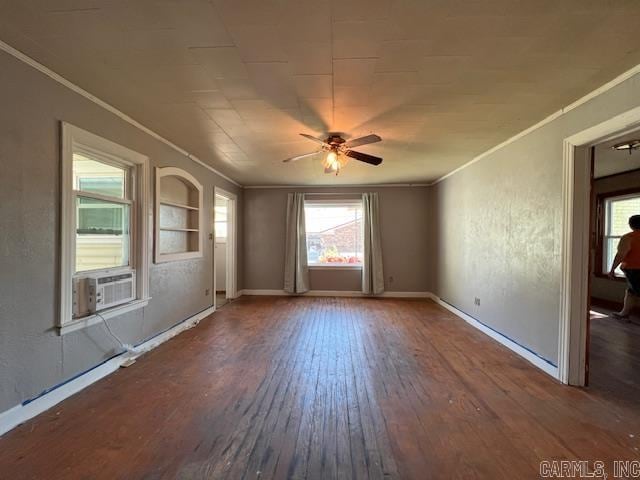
104	223
614	218
334	232
103	203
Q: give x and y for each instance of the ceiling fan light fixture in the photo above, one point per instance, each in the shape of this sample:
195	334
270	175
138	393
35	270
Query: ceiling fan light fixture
630	146
339	151
331	162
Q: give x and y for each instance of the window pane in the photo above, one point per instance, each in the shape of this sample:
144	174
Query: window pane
610	249
620	211
221	218
221	229
98	177
102	234
334	233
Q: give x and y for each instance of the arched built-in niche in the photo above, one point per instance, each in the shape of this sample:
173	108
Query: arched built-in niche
178	216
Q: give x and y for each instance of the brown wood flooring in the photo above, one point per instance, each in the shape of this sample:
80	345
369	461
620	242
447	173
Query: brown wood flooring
322	388
615	359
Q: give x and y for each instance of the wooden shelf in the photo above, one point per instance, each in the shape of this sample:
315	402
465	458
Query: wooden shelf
178	215
178	205
171	229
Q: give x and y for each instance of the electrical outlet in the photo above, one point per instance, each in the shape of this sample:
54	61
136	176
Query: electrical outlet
477	301
206	292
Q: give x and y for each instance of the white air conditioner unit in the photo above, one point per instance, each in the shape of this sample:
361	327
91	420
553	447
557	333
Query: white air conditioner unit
109	290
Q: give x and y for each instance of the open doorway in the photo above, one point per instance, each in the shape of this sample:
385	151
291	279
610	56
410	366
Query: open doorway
224	255
614	302
579	243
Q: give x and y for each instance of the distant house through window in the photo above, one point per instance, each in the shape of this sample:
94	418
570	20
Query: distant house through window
103	218
334	232
616	211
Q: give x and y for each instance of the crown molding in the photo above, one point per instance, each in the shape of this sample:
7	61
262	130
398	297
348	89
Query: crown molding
63	81
80	91
351	185
581	101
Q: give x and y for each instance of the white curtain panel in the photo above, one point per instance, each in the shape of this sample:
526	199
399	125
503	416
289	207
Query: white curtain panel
296	271
372	273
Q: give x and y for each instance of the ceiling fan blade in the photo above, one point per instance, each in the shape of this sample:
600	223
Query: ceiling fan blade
356	142
300	157
314	139
363	157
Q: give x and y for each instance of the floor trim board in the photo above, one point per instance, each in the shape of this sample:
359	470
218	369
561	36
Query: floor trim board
532	357
30	408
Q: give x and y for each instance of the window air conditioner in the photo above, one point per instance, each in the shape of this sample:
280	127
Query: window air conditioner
109	290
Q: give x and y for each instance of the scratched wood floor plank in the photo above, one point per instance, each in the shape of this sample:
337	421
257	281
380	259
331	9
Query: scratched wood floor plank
324	388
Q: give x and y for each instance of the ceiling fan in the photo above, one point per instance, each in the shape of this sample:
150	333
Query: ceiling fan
339	151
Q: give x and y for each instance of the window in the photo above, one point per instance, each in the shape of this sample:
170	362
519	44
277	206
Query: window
104	223
616	211
103	219
334	232
221	219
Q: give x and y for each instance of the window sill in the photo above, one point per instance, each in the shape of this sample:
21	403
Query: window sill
84	322
335	267
617	278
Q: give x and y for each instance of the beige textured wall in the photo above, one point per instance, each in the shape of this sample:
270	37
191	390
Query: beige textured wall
404	216
499	222
32	356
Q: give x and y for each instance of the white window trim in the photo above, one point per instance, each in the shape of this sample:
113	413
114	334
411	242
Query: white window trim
333	201
338	202
337	266
74	139
607	219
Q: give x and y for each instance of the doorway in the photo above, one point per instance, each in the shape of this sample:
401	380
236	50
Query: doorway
224	247
583	335
613	363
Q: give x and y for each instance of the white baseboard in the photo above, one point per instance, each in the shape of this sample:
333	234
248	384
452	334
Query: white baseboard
21	413
528	355
336	293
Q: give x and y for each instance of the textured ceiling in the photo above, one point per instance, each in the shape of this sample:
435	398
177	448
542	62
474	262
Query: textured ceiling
235	81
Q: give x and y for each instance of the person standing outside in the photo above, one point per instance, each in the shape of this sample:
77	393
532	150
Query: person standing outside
628	257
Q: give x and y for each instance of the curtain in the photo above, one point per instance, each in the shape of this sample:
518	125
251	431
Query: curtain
296	272
372	274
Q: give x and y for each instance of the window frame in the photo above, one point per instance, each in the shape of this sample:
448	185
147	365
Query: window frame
602	199
337	202
129	196
77	140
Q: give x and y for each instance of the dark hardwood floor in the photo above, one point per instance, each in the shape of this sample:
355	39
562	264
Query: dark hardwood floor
614	363
322	388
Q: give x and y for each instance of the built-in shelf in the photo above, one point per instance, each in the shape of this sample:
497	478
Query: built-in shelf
178	205
178	215
171	229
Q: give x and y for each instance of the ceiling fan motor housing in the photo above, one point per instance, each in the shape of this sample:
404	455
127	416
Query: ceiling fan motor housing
335	140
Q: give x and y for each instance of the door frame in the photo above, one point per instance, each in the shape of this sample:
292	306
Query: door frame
576	198
231	247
